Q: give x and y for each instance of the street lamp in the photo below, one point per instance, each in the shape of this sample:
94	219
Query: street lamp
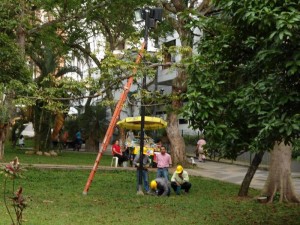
150	16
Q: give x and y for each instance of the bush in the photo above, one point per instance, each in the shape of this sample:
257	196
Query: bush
190	139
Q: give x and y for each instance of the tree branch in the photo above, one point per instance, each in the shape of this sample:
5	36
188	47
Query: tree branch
88	53
101	92
179	5
169	7
205	7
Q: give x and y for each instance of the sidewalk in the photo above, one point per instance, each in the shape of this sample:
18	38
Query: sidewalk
234	173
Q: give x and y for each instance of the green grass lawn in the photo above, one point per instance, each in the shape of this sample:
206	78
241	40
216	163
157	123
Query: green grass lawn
55	197
65	157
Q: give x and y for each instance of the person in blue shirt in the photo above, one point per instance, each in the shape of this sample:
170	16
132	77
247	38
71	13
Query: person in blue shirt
146	162
78	140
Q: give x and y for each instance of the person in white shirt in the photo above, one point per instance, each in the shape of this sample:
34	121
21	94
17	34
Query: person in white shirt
21	141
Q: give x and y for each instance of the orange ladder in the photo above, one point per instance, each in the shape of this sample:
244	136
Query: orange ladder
113	121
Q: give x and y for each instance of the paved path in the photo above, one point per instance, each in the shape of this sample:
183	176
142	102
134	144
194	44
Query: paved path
233	173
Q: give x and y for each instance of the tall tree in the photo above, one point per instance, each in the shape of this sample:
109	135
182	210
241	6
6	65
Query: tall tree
178	14
244	86
113	23
52	29
13	66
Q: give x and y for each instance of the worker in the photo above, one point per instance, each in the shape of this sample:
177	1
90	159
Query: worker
180	180
160	187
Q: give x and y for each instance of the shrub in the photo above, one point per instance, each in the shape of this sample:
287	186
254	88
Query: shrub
13	171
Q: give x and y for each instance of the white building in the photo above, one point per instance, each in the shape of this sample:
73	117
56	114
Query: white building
162	82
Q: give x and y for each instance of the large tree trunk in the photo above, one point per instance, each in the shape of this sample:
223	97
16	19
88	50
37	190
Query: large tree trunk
3	130
279	178
91	145
176	140
58	125
42	128
179	84
243	192
21	34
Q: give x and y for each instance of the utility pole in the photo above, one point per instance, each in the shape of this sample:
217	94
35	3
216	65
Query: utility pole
150	16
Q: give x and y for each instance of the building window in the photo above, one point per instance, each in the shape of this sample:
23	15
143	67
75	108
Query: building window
183	121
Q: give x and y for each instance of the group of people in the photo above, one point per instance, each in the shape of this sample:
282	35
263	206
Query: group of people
161	185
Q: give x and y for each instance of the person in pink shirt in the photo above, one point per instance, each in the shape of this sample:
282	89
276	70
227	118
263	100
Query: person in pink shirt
201	142
164	161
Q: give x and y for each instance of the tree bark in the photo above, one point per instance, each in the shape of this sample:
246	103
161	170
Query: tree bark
91	145
58	125
279	179
179	84
3	131
176	141
21	35
173	132
243	192
42	128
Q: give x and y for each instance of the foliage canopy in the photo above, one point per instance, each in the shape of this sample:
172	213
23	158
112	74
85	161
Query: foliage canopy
244	84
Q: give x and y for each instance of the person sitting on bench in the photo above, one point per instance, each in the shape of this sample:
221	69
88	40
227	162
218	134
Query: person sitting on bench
116	152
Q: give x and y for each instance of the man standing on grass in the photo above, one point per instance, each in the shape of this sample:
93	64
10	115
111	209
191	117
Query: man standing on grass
164	161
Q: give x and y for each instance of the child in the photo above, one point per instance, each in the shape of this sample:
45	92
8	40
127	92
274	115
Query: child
200	149
21	141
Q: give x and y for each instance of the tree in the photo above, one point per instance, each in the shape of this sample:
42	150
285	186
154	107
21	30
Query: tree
13	67
114	23
178	15
47	60
48	43
244	85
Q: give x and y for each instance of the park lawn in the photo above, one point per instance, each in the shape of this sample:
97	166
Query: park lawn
55	197
68	157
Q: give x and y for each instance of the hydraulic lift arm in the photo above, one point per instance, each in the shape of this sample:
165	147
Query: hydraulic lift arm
114	120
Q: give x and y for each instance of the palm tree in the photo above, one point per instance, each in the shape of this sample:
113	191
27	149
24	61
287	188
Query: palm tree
48	62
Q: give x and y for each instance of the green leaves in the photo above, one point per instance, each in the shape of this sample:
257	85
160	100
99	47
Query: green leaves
247	96
12	63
